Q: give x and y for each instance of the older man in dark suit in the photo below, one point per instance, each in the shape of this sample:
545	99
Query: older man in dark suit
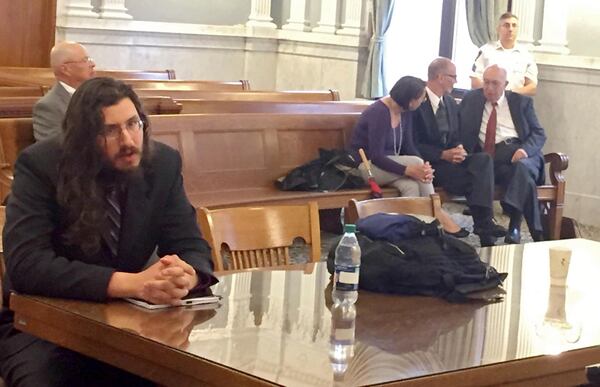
437	138
71	66
504	125
86	211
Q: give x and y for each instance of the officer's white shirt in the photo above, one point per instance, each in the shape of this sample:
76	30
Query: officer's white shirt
517	61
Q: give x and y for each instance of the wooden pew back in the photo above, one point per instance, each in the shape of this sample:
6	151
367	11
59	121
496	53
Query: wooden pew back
44	76
198	106
297	96
241	151
13	107
189	85
17	107
22	91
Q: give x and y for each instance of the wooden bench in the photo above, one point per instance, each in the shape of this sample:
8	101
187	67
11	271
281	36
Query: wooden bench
233	159
15	107
197	106
189	85
294	96
44	76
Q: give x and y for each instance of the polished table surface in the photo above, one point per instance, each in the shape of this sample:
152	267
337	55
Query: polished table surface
275	327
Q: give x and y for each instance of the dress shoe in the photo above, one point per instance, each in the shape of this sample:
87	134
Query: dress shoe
462	233
486	240
513	236
492	229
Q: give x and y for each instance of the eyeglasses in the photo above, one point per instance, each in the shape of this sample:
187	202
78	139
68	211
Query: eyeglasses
453	76
113	132
87	59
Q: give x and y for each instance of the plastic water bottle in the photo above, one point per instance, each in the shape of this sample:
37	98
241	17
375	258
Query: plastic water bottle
347	267
341	349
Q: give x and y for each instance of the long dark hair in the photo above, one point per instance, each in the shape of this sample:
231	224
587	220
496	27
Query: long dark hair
406	89
80	188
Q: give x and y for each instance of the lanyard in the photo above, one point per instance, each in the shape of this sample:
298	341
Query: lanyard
397	145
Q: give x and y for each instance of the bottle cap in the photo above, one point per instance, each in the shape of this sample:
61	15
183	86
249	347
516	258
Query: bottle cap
350	228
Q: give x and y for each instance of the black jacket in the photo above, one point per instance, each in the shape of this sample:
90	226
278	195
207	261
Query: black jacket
427	137
156	213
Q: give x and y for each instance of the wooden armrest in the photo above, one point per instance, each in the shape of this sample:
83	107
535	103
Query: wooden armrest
558	163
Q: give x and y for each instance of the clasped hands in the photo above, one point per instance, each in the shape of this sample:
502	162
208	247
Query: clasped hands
167	281
421	172
454	155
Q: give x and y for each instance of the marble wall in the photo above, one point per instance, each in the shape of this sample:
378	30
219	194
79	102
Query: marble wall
567	106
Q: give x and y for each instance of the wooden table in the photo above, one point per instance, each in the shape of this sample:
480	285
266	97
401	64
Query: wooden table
274	327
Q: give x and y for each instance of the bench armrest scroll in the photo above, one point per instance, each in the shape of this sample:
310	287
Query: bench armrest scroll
558	163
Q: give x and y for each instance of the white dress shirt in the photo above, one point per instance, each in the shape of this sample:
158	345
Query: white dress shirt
505	128
433	99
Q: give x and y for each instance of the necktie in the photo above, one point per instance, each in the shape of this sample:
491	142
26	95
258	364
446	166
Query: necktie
113	214
490	132
441	117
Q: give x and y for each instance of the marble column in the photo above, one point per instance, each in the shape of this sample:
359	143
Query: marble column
297	20
352	17
554	29
525	11
260	14
114	9
328	20
79	8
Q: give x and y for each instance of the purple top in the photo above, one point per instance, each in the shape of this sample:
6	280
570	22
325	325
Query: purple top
374	133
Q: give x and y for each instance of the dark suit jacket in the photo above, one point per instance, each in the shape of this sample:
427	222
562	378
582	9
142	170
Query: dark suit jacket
49	112
156	213
523	115
427	136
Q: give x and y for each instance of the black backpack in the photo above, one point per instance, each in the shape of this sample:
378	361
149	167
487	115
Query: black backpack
329	172
426	263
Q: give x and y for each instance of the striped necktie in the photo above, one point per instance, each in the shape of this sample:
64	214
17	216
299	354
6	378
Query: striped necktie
113	213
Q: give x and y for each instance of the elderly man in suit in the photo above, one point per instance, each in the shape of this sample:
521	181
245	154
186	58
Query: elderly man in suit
71	66
504	125
86	211
437	138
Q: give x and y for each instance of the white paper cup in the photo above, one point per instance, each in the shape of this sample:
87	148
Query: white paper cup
560	258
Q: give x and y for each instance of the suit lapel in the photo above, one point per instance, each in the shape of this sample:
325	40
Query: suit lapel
514	106
63	95
452	116
429	118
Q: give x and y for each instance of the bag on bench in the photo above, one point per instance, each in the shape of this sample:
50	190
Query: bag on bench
333	170
411	257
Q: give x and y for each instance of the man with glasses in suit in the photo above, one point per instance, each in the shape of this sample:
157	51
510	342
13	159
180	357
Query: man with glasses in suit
437	138
71	66
86	211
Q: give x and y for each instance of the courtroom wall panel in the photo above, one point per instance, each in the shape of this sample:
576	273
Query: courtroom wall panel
27	32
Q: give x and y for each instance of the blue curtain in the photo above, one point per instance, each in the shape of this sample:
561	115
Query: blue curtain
482	19
373	82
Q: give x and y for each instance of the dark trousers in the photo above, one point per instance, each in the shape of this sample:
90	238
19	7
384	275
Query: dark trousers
474	178
519	183
42	364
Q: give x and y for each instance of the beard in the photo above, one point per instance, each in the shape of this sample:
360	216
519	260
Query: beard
110	172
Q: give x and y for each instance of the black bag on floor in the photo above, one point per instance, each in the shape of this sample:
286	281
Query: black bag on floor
329	172
422	263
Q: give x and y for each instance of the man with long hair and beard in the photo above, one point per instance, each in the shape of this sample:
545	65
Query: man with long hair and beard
86	211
